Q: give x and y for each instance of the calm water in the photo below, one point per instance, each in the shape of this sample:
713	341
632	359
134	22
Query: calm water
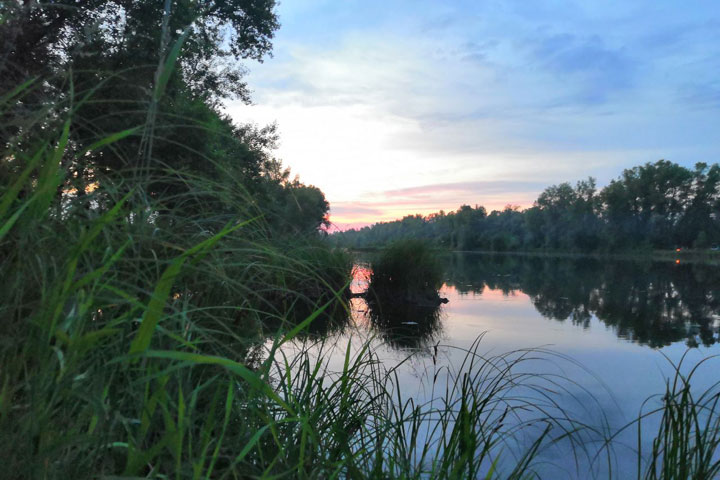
615	320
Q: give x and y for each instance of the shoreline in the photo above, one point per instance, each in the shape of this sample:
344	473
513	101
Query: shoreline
711	257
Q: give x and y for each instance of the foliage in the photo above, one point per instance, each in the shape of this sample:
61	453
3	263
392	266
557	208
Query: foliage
155	69
688	437
93	282
135	222
44	38
406	267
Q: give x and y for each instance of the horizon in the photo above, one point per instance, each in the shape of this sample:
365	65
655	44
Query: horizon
393	114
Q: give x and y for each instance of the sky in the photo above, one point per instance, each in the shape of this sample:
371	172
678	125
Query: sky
399	107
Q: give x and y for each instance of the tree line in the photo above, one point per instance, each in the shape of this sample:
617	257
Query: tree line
659	205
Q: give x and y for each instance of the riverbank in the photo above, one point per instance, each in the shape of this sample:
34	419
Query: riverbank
687	255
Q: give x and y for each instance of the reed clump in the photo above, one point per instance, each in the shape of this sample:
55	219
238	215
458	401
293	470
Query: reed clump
407	270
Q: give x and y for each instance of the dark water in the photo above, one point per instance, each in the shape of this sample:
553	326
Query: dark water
617	322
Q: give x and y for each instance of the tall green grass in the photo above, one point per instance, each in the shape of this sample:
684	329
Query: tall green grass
101	290
687	442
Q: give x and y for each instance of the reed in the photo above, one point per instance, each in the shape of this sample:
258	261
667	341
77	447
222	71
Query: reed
687	441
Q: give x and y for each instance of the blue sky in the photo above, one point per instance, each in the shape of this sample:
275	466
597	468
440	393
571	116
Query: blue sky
400	107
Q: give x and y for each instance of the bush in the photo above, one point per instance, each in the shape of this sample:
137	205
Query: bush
407	267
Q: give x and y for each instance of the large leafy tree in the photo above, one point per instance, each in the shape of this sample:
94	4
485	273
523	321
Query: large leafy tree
699	221
107	61
158	69
646	203
42	38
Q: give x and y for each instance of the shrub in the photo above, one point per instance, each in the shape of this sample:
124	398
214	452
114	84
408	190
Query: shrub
406	267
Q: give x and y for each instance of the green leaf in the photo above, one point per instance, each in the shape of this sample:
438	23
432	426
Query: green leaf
169	65
160	294
155	307
239	369
7	225
50	177
11	193
108	140
100	271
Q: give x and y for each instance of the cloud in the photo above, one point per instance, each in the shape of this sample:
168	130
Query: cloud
426	199
340	210
588	68
700	96
475	188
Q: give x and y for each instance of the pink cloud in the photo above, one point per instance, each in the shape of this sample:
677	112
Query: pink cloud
426	199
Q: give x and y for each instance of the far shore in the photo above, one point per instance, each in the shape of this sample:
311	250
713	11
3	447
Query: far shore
686	255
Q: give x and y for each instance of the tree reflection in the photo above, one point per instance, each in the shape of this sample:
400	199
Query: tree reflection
652	303
404	325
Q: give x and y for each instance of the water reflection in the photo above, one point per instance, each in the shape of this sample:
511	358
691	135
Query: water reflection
651	303
401	325
404	325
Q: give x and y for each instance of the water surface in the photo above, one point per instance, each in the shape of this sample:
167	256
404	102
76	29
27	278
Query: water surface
619	323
